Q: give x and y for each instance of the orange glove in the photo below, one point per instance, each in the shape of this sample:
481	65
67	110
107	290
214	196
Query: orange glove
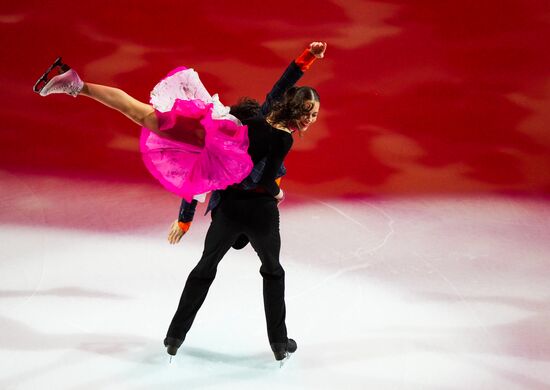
305	60
314	51
184	226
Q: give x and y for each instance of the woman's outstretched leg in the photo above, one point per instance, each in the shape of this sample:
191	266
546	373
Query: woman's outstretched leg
141	113
60	78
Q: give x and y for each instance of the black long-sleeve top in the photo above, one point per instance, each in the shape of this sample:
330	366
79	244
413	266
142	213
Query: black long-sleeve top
281	145
270	143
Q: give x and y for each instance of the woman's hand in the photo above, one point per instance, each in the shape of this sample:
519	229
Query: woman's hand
318	49
176	232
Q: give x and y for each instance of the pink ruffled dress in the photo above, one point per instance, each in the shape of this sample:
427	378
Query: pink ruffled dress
202	147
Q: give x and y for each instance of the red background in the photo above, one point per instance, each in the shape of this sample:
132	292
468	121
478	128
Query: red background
418	97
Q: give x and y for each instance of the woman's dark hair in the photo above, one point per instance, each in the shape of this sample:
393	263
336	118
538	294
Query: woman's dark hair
292	107
245	108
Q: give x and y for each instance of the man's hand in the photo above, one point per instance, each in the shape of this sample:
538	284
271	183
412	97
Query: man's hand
318	49
176	232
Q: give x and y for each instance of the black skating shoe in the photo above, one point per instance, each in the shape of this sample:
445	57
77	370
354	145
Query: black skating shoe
283	350
172	344
59	78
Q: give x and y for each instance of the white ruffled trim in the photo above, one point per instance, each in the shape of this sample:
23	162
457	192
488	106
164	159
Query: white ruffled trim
186	85
200	197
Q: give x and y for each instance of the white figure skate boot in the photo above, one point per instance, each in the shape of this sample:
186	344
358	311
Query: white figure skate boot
63	80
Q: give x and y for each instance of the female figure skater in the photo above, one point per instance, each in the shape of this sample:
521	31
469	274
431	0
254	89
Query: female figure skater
248	211
192	144
189	141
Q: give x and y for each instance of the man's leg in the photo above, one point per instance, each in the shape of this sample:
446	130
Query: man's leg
266	241
219	238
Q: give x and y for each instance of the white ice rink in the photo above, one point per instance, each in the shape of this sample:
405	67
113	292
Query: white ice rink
404	293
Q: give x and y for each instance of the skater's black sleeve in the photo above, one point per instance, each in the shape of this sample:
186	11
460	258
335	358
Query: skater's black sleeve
187	210
294	71
290	76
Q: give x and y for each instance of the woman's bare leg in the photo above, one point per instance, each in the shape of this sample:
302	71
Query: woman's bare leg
141	113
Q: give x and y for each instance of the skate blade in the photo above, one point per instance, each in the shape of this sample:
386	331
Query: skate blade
286	358
57	66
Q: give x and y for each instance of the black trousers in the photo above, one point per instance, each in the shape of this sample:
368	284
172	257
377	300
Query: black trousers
240	212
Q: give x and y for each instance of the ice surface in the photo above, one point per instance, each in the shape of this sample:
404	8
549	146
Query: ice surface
420	293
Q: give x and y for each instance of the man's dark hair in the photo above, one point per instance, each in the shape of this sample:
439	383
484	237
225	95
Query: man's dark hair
245	108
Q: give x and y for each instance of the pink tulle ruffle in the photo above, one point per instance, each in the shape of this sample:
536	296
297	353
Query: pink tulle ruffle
195	153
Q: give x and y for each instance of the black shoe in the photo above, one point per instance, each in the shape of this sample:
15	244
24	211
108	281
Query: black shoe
172	344
283	350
